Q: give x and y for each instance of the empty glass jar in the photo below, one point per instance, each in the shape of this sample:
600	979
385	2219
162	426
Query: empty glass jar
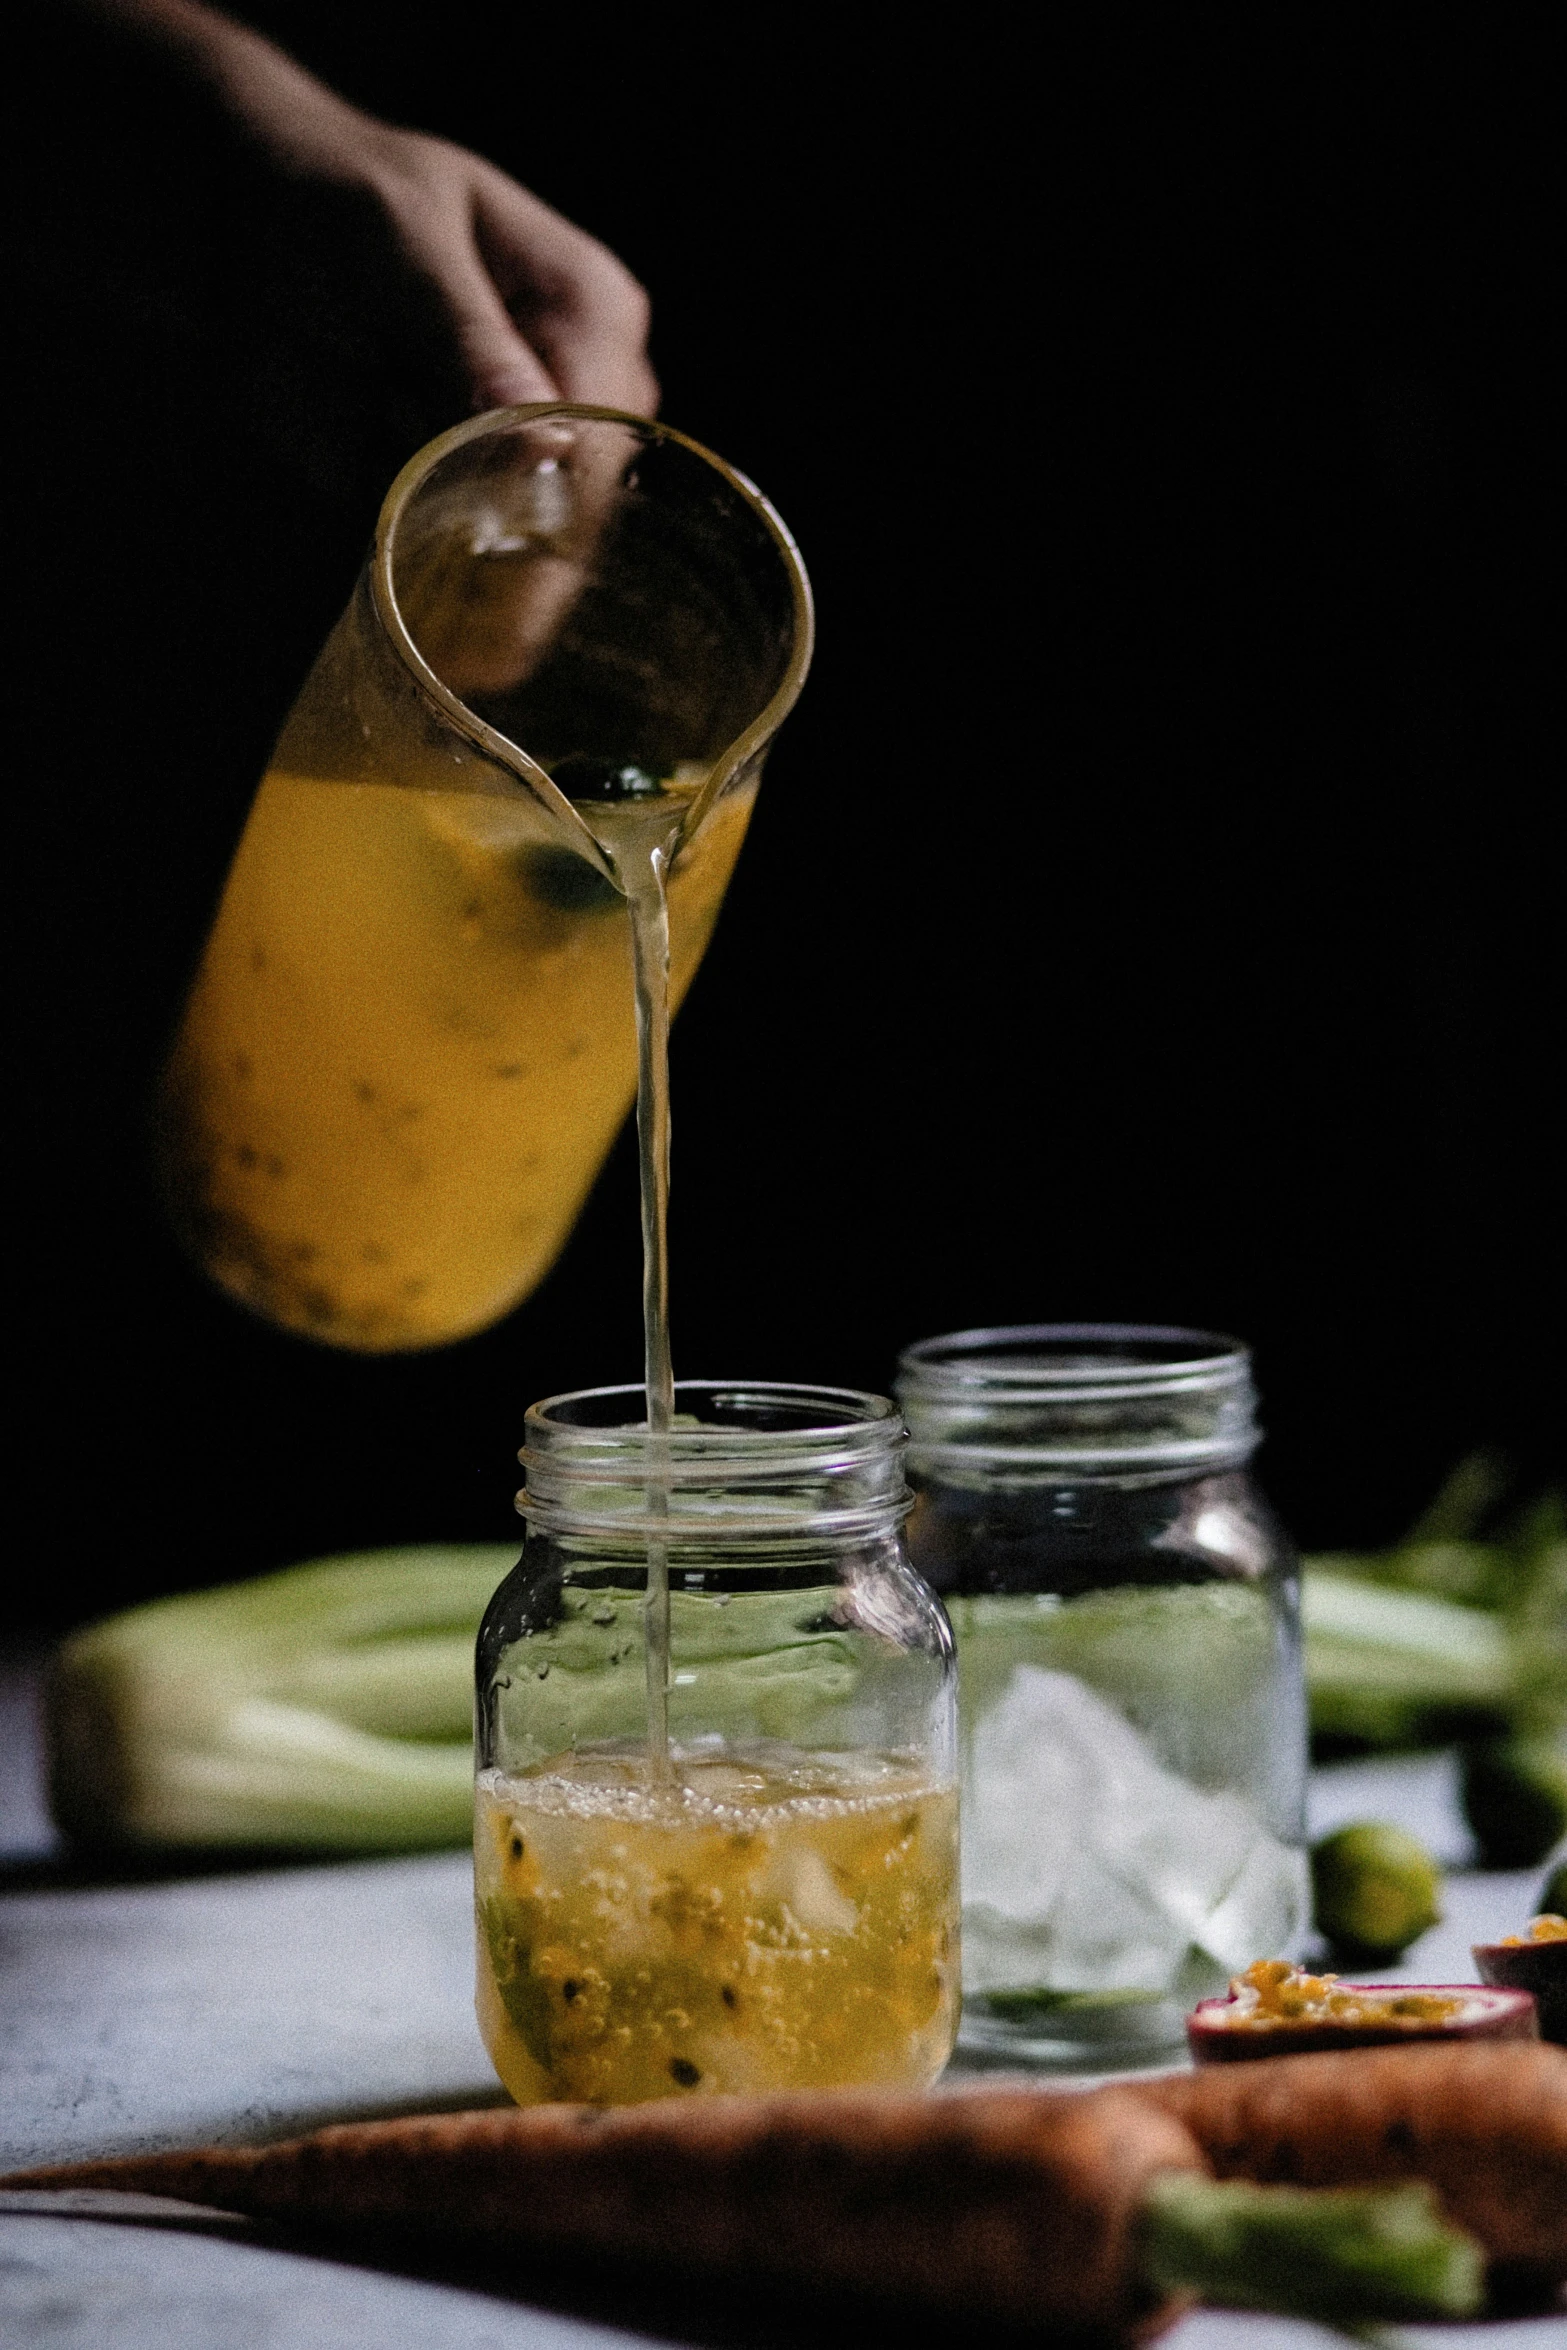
1132	1716
736	1870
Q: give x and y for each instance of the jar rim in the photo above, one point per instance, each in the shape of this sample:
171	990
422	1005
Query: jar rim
579	1418
1074	1361
1044	1402
765	1457
511	759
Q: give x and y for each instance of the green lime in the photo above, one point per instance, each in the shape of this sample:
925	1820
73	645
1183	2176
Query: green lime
1374	1890
1553	1895
1515	1799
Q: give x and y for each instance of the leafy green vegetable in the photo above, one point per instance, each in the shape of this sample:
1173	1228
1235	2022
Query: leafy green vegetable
330	1708
1445	1635
326	1708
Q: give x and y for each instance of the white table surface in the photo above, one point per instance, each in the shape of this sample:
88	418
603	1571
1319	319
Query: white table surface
243	2007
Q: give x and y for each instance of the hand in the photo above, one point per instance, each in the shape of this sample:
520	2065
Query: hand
415	241
536	309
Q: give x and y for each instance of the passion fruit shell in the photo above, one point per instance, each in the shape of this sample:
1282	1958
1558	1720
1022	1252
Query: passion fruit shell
1214	2037
1537	1967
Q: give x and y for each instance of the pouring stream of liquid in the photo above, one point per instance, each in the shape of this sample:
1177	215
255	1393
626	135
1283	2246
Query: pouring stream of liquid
640	846
650	958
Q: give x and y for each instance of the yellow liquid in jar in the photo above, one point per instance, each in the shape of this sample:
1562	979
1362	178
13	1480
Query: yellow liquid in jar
408	1049
762	1920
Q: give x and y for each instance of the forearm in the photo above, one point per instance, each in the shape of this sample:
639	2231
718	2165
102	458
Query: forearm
297	119
385	249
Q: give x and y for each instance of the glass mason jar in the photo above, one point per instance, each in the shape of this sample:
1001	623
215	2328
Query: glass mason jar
771	1901
1132	1712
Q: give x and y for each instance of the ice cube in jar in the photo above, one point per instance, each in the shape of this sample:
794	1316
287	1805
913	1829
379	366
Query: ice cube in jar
1131	1709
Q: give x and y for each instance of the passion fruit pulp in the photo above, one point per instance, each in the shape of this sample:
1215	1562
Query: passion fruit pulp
1275	2009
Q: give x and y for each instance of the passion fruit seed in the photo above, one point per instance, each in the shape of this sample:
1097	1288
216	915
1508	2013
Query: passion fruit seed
1375	1890
1515	1799
1299	2014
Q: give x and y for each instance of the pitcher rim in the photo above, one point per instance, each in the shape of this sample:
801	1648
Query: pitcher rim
509	755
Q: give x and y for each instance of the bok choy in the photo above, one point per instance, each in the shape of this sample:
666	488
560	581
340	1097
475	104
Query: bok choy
327	1708
1447	1634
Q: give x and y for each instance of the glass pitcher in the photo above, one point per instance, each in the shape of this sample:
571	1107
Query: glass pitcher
771	1901
411	1041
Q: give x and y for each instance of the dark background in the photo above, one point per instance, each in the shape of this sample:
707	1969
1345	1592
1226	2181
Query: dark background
1153	909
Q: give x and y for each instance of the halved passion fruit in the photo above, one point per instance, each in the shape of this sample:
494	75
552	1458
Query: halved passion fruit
1276	2009
1535	1962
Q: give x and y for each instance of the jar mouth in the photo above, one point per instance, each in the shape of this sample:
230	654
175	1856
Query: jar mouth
746	1457
1051	1400
1082	1359
732	1415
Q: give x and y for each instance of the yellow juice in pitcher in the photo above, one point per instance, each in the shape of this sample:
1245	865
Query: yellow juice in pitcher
408	1049
761	1919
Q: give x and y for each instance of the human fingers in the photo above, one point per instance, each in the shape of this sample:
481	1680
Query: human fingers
578	305
537	310
429	190
498	364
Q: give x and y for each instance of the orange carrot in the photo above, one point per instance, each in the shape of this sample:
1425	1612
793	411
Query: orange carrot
1004	2204
1484	2123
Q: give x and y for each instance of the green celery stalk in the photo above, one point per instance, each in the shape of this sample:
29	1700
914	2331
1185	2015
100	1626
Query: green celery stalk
1392	1666
326	1708
1444	1635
